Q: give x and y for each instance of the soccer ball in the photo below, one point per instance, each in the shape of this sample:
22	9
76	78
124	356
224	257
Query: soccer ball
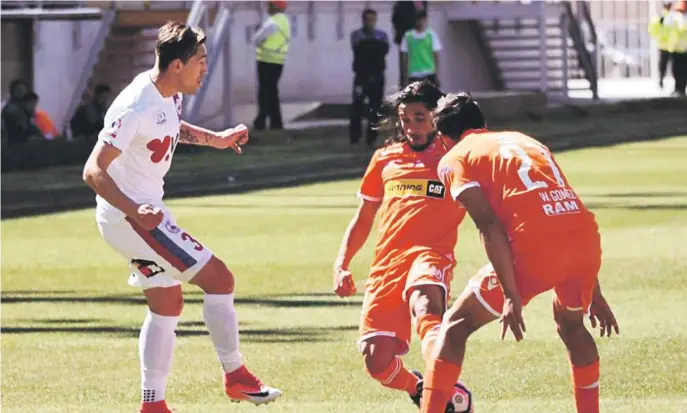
461	400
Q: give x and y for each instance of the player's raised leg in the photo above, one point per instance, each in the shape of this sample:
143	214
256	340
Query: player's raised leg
156	345
219	315
469	313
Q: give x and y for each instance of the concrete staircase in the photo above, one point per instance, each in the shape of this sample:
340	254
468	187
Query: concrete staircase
533	46
129	48
516	47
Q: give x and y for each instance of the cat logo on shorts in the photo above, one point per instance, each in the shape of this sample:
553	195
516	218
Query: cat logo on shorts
147	268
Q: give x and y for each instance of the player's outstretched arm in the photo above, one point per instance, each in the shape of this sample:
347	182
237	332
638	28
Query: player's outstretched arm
229	138
354	238
95	175
498	250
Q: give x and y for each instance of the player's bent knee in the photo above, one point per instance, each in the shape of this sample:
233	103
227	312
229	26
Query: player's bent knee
458	331
214	278
377	355
168	302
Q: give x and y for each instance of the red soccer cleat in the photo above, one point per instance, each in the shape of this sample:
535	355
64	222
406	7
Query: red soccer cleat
242	385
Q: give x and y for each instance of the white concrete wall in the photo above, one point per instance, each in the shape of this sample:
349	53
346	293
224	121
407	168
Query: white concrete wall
60	51
316	70
320	69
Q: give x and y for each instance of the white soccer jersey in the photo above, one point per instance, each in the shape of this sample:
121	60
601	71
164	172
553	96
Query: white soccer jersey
145	127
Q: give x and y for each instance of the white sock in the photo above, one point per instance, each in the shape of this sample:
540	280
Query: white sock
156	348
220	318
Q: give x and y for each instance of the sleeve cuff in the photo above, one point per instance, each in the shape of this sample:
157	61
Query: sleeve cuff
368	198
457	190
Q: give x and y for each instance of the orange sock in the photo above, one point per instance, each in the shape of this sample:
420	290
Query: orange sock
428	330
586	387
396	376
439	380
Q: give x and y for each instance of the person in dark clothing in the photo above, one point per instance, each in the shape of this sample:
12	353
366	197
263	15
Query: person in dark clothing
89	118
370	47
403	18
16	119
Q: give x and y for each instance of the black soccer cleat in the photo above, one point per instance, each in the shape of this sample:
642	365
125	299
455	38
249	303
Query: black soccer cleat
418	396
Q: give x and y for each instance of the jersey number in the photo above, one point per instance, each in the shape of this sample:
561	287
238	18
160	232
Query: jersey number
186	237
511	150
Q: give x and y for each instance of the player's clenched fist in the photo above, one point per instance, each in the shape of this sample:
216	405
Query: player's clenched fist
148	217
344	285
232	138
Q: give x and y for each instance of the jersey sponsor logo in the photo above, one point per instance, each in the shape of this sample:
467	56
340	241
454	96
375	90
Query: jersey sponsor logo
414	187
435	189
147	268
159	149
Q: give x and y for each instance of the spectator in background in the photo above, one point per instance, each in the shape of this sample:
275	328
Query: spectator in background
272	44
676	22
370	47
403	18
89	118
420	49
29	105
40	118
15	119
661	34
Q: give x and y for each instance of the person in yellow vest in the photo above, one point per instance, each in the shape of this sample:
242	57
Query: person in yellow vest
661	34
271	46
676	21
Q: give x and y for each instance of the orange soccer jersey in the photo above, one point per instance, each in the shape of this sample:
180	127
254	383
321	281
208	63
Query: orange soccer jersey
553	236
416	211
418	230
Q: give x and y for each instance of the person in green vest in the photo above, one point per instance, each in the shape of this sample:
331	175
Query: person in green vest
271	46
420	49
661	34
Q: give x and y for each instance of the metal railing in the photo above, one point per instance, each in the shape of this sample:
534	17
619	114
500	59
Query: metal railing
218	37
87	69
585	57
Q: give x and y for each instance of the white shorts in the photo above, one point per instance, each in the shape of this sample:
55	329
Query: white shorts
163	257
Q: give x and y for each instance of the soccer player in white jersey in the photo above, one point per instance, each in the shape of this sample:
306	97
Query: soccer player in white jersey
126	170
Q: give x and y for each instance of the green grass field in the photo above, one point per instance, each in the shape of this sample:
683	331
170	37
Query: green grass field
70	322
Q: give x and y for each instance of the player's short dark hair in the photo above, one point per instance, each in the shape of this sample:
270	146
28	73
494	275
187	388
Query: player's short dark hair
422	14
422	91
175	40
366	12
457	113
100	89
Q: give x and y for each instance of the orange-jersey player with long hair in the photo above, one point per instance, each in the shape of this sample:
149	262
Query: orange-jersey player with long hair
538	236
413	263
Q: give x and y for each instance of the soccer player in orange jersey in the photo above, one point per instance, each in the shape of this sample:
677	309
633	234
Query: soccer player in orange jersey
538	236
413	263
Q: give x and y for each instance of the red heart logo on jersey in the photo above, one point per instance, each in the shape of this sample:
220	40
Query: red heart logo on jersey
159	148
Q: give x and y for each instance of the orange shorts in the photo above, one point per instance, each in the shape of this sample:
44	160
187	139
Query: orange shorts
385	306
569	267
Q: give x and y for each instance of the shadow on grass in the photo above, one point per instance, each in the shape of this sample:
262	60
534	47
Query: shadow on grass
267	335
267	206
664	194
267	302
673	207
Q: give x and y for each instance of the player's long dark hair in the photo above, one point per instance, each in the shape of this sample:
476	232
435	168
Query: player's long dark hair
423	91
